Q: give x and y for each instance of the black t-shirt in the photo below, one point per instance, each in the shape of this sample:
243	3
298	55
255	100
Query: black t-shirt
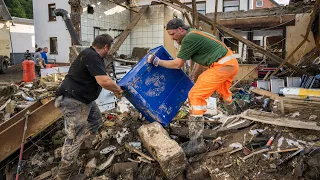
80	82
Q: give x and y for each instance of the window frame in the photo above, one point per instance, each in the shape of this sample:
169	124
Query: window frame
52	47
51	18
257	3
198	2
224	7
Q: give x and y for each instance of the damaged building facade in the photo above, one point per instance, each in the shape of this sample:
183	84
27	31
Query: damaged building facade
107	17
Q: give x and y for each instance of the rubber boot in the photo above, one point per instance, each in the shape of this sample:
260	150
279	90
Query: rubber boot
196	145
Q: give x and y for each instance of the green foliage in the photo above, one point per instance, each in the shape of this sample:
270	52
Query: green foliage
20	8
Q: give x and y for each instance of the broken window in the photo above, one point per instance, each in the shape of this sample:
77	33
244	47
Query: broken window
53	45
201	7
51	9
230	5
259	3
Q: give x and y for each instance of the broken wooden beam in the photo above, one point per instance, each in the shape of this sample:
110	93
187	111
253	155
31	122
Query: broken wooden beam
274	119
215	18
263	92
312	16
195	15
250	44
123	36
258	22
188	19
247	73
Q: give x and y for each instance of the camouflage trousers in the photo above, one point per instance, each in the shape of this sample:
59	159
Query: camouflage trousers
80	120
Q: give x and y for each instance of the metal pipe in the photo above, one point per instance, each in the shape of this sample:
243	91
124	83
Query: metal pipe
66	17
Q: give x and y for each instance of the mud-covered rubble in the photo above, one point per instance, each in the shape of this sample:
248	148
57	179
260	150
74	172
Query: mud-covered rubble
18	96
121	151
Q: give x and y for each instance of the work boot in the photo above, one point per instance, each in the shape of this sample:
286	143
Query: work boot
196	145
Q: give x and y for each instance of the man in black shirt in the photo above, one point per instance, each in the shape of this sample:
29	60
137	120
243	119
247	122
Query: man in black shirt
76	99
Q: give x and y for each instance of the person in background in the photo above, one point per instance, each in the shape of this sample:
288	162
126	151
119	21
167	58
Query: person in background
44	56
38	61
27	55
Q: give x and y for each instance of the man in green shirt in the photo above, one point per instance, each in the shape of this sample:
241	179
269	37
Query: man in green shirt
204	49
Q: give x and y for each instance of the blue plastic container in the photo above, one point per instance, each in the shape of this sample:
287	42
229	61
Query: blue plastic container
156	92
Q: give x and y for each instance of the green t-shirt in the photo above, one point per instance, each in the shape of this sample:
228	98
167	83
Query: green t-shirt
200	48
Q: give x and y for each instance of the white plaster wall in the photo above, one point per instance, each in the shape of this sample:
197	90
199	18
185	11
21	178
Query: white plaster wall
22	38
149	32
211	5
244	5
44	29
108	17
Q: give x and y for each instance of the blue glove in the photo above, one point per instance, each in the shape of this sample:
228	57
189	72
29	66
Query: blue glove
153	59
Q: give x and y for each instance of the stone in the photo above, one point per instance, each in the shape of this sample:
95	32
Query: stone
90	166
166	151
273	166
313	117
92	163
57	153
58	138
50	160
43	176
126	175
103	177
198	170
120	168
54	171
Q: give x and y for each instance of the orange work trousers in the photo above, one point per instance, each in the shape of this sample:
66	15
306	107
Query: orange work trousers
218	78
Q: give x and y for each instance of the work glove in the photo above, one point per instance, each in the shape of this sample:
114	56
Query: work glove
153	59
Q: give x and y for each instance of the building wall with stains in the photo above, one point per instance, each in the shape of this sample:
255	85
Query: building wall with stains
293	38
149	32
4	38
107	18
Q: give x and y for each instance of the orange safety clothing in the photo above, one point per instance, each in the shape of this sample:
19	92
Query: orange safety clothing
218	78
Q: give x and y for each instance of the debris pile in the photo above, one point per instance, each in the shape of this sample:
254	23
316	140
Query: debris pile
255	144
271	137
18	96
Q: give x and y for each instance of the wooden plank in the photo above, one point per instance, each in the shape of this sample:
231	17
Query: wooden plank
188	19
240	38
249	72
302	42
215	18
269	94
195	14
275	11
123	36
268	118
259	22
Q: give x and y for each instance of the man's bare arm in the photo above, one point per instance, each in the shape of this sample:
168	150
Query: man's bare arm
107	83
172	64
